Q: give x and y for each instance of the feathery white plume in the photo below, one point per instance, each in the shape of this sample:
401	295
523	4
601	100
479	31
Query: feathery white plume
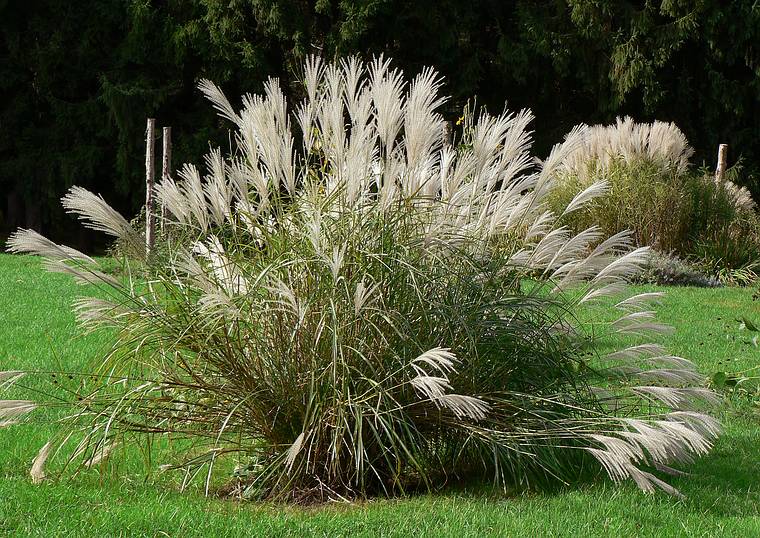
37	472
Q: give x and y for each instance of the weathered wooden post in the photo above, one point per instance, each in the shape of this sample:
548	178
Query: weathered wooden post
150	158
447	136
166	165
720	170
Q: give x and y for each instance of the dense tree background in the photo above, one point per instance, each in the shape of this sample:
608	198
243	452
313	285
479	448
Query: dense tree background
79	78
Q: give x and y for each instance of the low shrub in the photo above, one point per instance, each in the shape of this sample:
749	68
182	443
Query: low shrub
670	270
366	310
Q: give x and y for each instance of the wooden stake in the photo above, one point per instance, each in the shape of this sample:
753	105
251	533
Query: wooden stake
448	133
720	170
166	165
150	161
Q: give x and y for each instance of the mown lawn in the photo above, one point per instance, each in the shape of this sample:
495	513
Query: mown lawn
722	494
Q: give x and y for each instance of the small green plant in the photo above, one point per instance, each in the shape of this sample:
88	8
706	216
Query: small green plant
742	384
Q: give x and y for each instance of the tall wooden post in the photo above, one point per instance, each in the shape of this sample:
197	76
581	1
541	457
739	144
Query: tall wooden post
150	161
166	165
720	170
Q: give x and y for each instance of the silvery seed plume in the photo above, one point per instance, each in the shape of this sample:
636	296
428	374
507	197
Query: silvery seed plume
12	409
30	242
640	300
672	376
740	196
9	377
224	270
431	387
99	216
82	275
630	141
37	472
221	104
636	351
587	195
101	454
464	406
94	312
682	399
294	450
363	296
439	359
195	197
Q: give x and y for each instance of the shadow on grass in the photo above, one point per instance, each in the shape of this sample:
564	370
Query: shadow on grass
725	482
722	484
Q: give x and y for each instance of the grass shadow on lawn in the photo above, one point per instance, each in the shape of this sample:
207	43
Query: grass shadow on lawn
725	482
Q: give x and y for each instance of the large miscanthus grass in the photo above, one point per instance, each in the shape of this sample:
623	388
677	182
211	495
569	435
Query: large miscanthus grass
365	309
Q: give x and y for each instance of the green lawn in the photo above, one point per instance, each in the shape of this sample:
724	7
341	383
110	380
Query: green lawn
722	495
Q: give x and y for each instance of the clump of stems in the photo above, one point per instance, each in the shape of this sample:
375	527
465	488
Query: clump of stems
362	308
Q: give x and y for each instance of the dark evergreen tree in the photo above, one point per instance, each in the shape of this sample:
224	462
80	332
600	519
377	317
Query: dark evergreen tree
79	78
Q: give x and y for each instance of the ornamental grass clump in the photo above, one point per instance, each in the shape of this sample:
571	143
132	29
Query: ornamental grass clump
652	192
364	309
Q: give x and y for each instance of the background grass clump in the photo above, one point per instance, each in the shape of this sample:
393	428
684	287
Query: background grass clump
653	192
